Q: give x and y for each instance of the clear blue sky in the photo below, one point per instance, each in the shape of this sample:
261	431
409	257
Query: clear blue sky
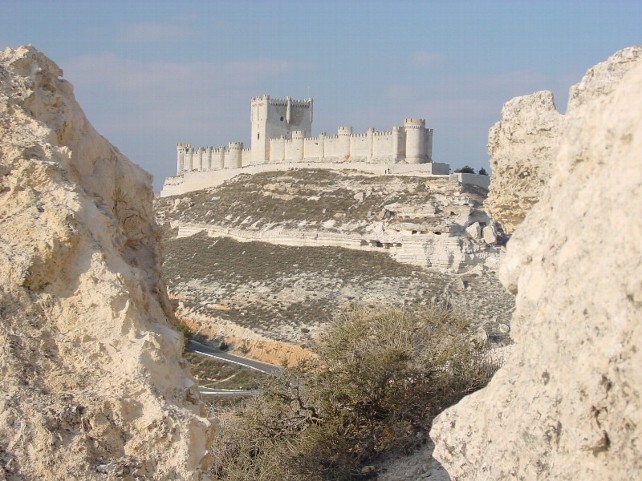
150	74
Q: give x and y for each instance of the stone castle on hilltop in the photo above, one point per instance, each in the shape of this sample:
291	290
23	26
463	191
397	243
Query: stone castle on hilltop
281	140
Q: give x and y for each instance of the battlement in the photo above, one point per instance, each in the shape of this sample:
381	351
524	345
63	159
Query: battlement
414	124
305	103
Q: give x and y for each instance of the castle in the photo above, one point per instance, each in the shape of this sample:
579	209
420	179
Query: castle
281	139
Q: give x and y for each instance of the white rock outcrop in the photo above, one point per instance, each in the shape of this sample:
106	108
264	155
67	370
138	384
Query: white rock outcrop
567	403
523	144
93	385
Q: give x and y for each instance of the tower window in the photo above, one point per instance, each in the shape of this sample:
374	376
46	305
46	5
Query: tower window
258	136
281	119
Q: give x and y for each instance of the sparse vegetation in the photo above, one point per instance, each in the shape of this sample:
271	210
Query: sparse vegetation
381	377
185	330
312	197
466	169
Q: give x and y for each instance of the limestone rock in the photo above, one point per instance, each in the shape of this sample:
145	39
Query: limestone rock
93	382
526	139
567	403
474	230
489	234
603	77
521	146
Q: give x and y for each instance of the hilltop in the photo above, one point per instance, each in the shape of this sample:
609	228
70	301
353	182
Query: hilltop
281	253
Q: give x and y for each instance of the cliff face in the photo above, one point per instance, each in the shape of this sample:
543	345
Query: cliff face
566	405
523	144
93	383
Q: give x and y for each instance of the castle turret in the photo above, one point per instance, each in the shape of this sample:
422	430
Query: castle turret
180	157
344	134
219	158
297	144
416	142
398	144
234	157
189	159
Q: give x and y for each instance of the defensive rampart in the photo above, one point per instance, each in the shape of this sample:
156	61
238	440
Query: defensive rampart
196	180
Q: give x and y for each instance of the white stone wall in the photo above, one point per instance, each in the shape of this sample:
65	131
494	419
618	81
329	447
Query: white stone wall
382	148
194	180
359	148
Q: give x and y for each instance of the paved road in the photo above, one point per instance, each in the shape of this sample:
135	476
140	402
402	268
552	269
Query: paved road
209	351
205	391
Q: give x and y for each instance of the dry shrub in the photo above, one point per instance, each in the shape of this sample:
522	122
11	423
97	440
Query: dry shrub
382	375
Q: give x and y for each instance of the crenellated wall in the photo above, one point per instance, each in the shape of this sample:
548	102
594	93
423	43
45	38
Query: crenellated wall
281	134
189	181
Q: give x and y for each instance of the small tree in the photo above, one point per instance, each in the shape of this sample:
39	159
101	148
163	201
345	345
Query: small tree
381	376
466	169
482	171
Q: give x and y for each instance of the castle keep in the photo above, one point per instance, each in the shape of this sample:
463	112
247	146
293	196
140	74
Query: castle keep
281	138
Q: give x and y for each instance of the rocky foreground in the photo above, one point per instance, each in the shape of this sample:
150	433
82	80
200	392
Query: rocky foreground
567	404
93	385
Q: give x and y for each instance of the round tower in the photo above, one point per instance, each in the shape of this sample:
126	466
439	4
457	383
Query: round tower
234	158
180	157
416	145
344	134
297	145
189	159
219	158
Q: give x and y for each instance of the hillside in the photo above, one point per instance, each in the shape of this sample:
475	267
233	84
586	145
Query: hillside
274	259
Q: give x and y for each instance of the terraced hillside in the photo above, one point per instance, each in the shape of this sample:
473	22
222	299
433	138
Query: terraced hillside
288	292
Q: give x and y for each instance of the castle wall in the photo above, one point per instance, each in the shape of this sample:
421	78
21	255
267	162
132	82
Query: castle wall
331	149
382	147
277	150
359	148
313	148
195	180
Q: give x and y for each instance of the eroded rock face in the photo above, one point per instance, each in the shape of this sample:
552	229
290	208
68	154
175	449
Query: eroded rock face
93	383
523	144
566	405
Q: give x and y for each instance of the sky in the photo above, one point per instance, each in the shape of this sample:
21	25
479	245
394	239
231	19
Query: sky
151	74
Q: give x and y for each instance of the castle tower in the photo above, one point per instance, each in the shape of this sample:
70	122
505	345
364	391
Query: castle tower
344	134
272	118
416	141
234	157
181	150
297	144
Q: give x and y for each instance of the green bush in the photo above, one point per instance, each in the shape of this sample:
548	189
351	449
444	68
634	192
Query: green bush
185	330
382	375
